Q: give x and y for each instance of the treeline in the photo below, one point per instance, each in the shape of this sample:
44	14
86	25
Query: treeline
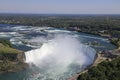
96	24
102	22
5	42
104	71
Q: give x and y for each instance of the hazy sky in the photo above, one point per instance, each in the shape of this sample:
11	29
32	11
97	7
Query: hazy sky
61	6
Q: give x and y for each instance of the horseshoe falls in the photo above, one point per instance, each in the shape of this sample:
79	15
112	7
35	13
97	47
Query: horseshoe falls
60	57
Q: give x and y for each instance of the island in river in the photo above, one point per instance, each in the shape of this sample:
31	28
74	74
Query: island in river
11	60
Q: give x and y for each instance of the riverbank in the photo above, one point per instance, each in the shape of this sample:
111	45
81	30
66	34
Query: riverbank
108	69
11	60
102	56
95	43
85	70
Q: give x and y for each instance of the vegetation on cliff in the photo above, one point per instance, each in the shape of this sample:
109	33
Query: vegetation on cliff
115	42
7	52
11	59
5	42
106	70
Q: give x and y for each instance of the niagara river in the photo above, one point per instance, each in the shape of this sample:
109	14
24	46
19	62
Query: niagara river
52	53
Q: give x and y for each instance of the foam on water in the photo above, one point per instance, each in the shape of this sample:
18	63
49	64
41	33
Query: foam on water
57	57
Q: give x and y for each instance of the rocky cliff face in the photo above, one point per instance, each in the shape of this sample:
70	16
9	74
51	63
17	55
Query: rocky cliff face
11	60
21	57
13	57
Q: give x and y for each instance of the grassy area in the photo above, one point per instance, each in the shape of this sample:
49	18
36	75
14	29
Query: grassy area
6	50
11	60
6	47
5	42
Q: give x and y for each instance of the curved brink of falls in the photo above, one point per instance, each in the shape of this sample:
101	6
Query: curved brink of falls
63	55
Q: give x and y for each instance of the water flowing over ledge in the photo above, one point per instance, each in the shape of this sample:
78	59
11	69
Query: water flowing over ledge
56	53
63	55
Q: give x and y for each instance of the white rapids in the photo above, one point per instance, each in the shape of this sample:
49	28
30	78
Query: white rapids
53	54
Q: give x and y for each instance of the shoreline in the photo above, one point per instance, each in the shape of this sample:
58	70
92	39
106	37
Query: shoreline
97	57
74	77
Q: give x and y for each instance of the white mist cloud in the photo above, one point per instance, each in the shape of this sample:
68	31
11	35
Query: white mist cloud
58	55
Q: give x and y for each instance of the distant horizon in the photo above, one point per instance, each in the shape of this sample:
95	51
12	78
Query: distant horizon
60	6
59	13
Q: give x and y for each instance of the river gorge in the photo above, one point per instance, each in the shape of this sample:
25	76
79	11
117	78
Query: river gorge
52	53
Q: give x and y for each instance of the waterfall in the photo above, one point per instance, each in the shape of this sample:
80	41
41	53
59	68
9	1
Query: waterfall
56	56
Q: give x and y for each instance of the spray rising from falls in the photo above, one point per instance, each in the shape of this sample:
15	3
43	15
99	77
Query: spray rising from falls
63	55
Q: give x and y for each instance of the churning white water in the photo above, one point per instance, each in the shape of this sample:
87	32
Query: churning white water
61	57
